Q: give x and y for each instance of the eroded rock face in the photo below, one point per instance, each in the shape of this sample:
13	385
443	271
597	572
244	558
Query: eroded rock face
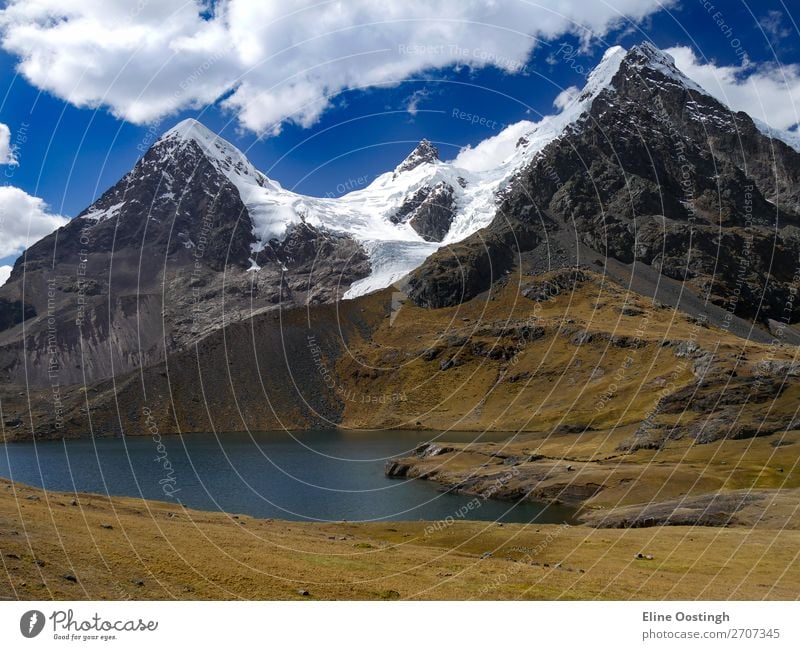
319	265
13	312
462	271
429	211
656	172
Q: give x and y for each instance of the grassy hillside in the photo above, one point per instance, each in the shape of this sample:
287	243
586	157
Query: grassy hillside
589	356
580	354
90	547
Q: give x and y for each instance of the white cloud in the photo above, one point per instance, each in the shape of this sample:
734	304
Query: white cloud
274	62
24	219
774	25
765	91
489	153
413	101
5	271
566	97
6	150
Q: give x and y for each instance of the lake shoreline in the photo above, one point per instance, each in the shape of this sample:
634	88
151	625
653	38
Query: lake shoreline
319	476
171	433
721	484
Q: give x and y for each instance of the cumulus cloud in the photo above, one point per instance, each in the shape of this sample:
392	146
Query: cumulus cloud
274	63
6	150
24	219
766	91
5	271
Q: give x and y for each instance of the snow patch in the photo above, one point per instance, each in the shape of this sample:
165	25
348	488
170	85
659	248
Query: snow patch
102	215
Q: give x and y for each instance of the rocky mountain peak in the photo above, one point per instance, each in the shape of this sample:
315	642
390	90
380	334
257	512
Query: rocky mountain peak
649	54
675	176
424	152
190	136
645	59
628	73
185	129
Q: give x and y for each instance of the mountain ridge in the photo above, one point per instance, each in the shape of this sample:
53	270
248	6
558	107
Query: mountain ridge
654	173
199	237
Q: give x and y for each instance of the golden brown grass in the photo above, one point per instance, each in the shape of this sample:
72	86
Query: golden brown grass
158	551
558	381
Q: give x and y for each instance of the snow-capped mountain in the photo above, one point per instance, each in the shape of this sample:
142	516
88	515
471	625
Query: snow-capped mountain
194	236
402	217
391	218
646	168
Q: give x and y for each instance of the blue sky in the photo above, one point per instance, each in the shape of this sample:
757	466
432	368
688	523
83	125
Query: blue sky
67	155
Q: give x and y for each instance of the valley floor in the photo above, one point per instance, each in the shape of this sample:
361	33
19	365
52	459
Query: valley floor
65	546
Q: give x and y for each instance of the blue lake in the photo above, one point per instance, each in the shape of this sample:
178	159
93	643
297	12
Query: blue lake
309	475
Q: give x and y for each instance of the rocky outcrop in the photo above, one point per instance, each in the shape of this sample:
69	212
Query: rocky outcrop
716	509
317	263
433	217
13	312
429	211
564	280
461	271
718	406
424	152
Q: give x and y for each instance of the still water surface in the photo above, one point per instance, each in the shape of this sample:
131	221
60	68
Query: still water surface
309	475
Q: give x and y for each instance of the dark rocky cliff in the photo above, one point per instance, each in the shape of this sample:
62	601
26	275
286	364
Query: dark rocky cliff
659	173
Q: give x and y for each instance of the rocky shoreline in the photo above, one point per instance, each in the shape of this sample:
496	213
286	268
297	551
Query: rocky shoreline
604	488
